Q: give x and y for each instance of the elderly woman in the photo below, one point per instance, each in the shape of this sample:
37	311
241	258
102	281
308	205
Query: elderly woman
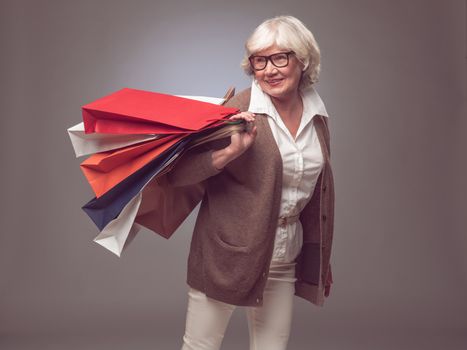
264	229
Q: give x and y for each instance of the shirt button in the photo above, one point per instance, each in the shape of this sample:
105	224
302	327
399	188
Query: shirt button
257	300
324	217
324	188
264	274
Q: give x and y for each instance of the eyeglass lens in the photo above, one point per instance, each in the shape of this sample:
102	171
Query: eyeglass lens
279	60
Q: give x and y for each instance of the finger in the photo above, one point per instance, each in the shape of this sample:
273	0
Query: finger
249	126
248	116
251	129
254	131
241	117
251	116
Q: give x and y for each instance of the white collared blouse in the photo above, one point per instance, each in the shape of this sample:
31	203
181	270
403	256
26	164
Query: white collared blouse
302	161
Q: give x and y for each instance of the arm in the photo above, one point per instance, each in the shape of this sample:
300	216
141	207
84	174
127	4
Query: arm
193	167
208	160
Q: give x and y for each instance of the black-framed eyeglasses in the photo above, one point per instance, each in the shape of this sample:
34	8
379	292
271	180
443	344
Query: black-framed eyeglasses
280	60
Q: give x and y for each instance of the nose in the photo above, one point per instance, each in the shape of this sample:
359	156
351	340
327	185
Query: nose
270	68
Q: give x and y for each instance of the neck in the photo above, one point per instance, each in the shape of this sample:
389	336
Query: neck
287	105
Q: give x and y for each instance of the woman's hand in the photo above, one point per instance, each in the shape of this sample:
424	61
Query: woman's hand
239	142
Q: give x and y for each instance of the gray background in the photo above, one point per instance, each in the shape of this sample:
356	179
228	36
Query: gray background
394	82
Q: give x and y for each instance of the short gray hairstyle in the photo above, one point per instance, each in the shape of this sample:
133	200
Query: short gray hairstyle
288	33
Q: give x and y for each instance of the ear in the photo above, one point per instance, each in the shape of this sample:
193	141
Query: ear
304	64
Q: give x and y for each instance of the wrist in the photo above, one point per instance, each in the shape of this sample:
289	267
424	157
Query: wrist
221	157
230	153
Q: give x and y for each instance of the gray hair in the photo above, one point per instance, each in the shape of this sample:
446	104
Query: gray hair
288	33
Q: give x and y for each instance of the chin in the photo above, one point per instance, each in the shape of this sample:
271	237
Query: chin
278	92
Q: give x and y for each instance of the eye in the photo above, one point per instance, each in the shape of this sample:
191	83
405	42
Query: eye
279	59
259	60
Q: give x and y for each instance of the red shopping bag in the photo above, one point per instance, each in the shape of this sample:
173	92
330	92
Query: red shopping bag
107	169
140	112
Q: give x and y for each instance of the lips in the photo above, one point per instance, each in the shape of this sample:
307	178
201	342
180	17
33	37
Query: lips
274	82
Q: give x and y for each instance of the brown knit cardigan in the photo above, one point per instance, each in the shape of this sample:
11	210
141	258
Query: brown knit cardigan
233	238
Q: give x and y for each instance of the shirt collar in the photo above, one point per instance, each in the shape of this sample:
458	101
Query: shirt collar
260	102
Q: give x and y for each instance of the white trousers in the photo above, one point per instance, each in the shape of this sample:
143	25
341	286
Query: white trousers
268	325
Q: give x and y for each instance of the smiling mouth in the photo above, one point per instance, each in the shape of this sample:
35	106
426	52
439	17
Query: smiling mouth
274	82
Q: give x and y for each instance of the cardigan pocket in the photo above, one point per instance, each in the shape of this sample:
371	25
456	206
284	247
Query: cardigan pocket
228	268
230	246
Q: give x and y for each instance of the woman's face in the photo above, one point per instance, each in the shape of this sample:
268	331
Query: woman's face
280	83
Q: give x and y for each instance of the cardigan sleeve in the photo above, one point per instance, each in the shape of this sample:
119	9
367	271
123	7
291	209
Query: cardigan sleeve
196	165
